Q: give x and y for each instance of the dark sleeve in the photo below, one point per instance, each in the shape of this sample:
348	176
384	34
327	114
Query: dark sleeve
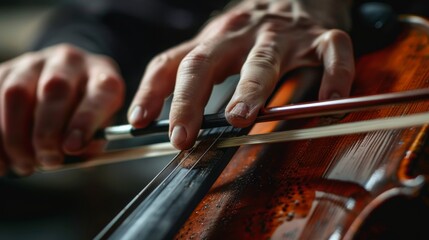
76	25
122	33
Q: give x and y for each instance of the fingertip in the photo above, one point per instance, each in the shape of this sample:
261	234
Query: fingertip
332	89
179	136
334	95
240	115
183	136
138	116
331	95
240	110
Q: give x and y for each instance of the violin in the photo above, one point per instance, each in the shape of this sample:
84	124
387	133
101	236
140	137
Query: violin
356	186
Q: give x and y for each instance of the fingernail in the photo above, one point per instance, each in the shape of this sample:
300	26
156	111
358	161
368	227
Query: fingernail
49	159
74	141
328	120
137	114
240	110
334	96
178	135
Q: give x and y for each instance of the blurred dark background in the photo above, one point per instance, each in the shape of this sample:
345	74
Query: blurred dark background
19	23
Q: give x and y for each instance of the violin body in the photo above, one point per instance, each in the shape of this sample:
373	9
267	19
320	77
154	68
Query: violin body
355	186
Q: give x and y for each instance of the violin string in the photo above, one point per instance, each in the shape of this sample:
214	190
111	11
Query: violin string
171	174
153	181
117	156
204	153
175	171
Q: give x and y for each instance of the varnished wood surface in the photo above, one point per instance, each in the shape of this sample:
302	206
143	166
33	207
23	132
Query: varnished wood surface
318	189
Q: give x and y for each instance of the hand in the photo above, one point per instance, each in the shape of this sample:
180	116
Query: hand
52	102
260	39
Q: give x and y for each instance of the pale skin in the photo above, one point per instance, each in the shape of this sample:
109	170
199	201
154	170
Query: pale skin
261	40
51	104
61	95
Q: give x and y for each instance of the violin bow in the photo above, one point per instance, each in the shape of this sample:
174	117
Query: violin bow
293	111
322	108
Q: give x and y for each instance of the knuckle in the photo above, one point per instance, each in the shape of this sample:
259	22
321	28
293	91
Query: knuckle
266	56
16	93
161	60
107	60
273	25
32	61
111	83
195	60
336	35
273	22
113	89
236	20
260	5
66	48
56	87
68	52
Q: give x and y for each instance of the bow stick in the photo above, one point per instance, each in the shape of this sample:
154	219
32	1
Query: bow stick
314	109
279	113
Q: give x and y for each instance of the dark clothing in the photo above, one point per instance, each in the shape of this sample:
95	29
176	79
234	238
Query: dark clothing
130	31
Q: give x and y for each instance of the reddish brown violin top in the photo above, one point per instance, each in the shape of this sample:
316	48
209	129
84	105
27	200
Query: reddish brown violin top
330	187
